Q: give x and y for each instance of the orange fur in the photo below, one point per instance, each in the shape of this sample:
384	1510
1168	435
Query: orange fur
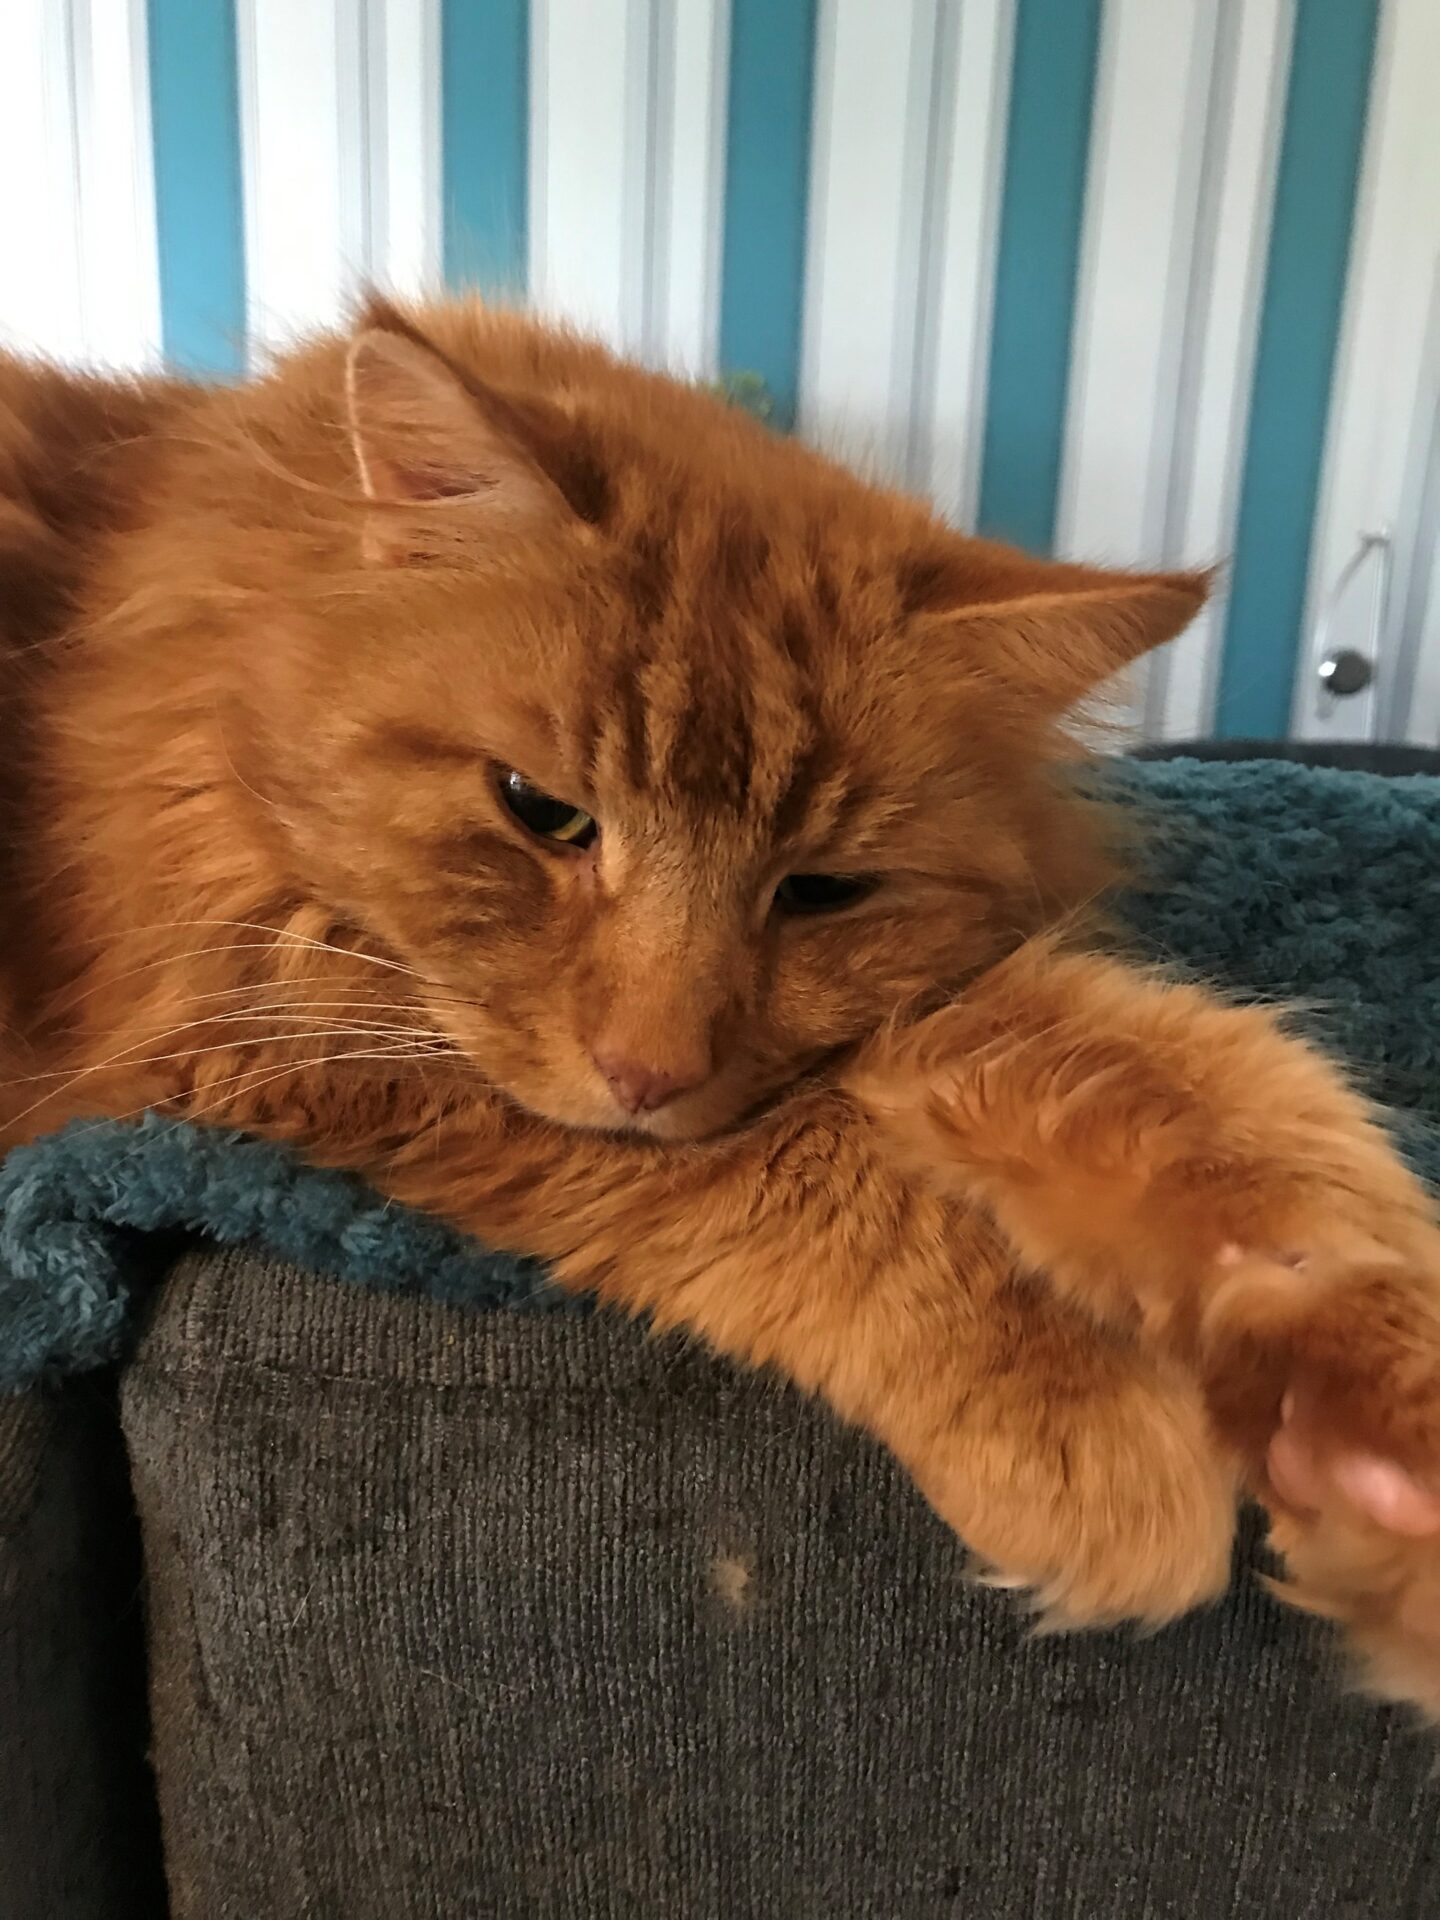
1186	1170
1023	1213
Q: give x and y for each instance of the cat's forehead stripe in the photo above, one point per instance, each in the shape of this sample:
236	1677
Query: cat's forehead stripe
406	740
631	708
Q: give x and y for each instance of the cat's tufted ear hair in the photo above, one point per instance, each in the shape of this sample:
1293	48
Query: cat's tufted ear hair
1049	631
420	435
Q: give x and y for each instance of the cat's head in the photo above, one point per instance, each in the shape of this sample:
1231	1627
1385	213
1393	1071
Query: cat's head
674	758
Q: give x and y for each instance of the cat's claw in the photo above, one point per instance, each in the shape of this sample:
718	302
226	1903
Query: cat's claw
1053	1607
1000	1581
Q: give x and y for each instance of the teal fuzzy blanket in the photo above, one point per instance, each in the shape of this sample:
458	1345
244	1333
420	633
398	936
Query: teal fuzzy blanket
1272	878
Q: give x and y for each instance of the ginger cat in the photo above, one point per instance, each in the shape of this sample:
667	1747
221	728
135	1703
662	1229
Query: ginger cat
606	824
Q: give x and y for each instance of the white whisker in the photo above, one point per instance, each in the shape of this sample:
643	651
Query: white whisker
68	1005
434	1047
262	1076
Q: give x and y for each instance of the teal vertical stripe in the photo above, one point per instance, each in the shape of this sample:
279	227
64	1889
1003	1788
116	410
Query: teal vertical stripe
485	121
1046	152
1325	115
767	189
195	132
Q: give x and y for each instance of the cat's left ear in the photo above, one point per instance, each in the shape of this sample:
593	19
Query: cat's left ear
1050	631
420	436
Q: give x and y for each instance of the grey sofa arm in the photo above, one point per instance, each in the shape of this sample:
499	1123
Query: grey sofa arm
79	1838
457	1614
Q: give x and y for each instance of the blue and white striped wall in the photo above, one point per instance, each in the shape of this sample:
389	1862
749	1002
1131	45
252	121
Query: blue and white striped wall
1082	270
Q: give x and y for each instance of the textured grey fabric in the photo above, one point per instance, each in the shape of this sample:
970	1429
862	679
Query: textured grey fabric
78	1832
458	1614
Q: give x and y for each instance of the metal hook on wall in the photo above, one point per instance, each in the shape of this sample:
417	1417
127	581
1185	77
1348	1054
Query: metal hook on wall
1346	670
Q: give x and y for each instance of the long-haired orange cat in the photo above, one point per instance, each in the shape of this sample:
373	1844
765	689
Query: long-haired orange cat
606	824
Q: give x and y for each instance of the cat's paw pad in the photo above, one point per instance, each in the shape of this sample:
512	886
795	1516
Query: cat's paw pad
1359	1531
1380	1587
1333	1364
1351	1468
1309	1473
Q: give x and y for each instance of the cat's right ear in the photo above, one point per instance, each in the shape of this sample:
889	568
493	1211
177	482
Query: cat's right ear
422	438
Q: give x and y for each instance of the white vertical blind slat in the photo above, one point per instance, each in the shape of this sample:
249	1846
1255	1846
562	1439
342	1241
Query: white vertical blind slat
407	248
963	240
1141	217
1412	691
79	274
41	304
872	142
1227	283
340	141
590	164
120	276
303	221
687	182
1372	474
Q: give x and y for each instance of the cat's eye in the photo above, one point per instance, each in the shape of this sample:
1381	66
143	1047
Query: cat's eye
545	816
821	892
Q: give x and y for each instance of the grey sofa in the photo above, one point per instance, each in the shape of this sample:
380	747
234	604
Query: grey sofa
454	1614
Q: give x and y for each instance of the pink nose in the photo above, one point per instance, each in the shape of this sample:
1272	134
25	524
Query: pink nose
641	1088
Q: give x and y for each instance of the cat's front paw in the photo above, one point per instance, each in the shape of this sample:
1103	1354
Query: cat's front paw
1123	1513
1330	1380
1360	1538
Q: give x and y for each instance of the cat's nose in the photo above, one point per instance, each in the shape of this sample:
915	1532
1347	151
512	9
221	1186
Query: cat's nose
641	1087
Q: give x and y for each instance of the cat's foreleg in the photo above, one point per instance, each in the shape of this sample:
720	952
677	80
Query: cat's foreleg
1188	1169
1073	1463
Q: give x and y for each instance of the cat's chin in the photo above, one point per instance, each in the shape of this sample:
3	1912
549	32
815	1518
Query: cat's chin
561	1095
721	1107
687	1123
661	1129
